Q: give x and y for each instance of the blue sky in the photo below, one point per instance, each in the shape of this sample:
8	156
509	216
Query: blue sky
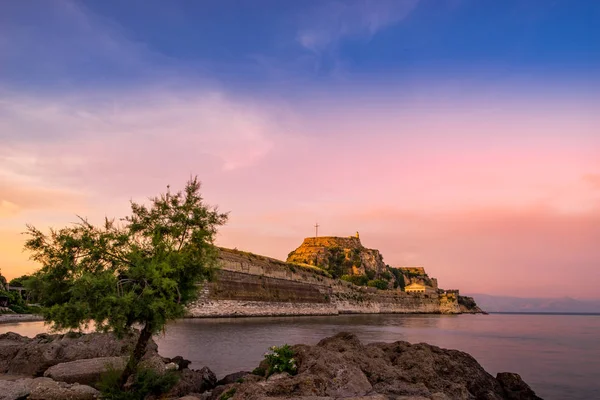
260	45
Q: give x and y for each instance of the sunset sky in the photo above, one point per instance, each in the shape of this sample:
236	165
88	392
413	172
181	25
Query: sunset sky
458	135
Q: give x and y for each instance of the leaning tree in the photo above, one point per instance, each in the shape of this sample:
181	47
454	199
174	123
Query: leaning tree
137	272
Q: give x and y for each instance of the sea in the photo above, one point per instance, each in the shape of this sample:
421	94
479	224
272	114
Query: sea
558	355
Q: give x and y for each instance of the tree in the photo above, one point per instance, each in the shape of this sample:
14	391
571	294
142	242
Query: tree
20	281
2	281
139	271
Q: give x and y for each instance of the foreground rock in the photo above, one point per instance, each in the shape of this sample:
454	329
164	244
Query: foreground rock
86	372
20	355
342	367
45	389
192	381
339	367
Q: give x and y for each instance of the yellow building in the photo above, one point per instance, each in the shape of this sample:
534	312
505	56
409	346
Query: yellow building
415	288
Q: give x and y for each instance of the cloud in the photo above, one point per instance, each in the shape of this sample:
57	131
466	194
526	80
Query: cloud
64	41
106	140
332	22
16	197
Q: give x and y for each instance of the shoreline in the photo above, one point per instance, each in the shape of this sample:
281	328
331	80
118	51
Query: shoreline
16	318
13	318
339	314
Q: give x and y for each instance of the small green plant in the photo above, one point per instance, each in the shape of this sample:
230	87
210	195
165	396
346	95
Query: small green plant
378	283
386	276
358	280
280	359
146	382
259	371
228	394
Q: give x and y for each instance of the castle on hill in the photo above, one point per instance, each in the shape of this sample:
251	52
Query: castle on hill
346	258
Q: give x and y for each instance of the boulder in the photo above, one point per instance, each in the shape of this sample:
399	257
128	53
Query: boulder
514	387
192	381
233	378
86	372
155	363
14	390
342	367
181	362
20	355
45	389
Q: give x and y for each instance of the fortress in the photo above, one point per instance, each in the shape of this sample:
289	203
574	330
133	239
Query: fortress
324	276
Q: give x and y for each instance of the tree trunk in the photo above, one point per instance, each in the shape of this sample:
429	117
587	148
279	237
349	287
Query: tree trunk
136	356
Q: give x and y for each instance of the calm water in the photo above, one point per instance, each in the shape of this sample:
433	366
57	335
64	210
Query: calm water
558	355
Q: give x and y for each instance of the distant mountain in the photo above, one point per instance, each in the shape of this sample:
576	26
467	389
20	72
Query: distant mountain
491	303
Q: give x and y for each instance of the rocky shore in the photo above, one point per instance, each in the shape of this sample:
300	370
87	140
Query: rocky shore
69	366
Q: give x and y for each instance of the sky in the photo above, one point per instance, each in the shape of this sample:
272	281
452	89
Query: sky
458	135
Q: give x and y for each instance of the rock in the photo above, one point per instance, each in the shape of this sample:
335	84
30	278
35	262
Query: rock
87	372
192	381
276	377
45	389
181	362
14	390
233	378
514	387
216	393
20	355
155	363
342	367
171	366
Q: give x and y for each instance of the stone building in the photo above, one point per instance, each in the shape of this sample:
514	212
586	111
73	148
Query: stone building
415	288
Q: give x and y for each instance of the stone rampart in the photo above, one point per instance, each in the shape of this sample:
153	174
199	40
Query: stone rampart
350	242
252	285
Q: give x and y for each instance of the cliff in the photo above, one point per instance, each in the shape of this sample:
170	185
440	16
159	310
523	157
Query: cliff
348	259
338	255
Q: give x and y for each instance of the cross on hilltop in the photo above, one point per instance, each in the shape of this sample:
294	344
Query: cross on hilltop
317	229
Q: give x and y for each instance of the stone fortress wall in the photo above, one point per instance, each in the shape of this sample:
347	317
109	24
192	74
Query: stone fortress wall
252	285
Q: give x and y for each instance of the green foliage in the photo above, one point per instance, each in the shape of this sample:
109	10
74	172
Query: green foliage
16	302
280	359
378	283
399	278
358	280
468	302
20	281
228	394
259	371
2	281
336	262
146	382
142	270
386	275
370	274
